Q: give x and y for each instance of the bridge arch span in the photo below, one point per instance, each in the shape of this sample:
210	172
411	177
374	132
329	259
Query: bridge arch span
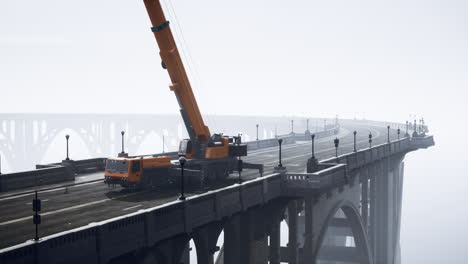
346	211
56	150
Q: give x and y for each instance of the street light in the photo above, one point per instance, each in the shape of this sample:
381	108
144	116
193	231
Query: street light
257	131
123	133
292	126
398	132
313	147
280	141
67	137
182	161
337	142
354	133
370	140
307	124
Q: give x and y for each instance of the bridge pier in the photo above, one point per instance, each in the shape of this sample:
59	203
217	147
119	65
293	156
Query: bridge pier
293	245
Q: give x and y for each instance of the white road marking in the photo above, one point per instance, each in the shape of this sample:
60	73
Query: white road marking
131	207
63	210
46	191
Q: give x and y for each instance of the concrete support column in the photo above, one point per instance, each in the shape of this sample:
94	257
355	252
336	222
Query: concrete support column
372	209
384	229
275	240
365	199
232	241
310	243
293	243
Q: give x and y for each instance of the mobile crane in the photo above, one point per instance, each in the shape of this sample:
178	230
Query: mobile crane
213	156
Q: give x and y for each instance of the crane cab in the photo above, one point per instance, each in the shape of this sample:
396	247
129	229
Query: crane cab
129	172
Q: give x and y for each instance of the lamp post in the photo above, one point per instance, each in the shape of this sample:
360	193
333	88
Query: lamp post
388	134
407	124
123	133
257	130
354	133
163	143
370	140
398	132
313	145
280	141
292	126
337	142
307	124
67	137
182	161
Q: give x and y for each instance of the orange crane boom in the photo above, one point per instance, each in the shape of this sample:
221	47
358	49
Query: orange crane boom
171	60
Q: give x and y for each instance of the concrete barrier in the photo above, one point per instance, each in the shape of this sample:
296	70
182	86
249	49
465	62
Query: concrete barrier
18	180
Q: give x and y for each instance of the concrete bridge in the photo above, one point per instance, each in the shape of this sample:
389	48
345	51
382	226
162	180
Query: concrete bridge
347	210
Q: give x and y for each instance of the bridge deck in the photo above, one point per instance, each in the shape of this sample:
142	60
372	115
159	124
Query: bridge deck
79	205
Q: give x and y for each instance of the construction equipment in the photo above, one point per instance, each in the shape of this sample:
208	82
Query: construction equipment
214	156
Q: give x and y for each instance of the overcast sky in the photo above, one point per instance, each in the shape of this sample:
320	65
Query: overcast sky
381	60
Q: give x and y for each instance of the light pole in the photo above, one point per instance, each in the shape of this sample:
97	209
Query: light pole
0	164
280	141
163	143
182	161
388	134
354	133
67	137
313	145
337	142
257	131
307	124
370	140
398	132
123	133
292	126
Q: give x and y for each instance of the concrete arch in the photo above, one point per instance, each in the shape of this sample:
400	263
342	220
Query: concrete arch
357	227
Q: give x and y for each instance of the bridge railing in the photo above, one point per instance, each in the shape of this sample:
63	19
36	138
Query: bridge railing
102	241
334	172
289	138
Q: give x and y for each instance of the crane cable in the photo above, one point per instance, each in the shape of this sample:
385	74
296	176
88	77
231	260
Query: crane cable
186	54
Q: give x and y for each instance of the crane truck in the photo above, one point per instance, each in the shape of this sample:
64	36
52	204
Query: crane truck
213	156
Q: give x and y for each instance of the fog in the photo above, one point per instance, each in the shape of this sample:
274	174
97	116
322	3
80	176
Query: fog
395	61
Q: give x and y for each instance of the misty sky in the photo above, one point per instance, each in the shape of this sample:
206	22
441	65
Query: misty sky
381	60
